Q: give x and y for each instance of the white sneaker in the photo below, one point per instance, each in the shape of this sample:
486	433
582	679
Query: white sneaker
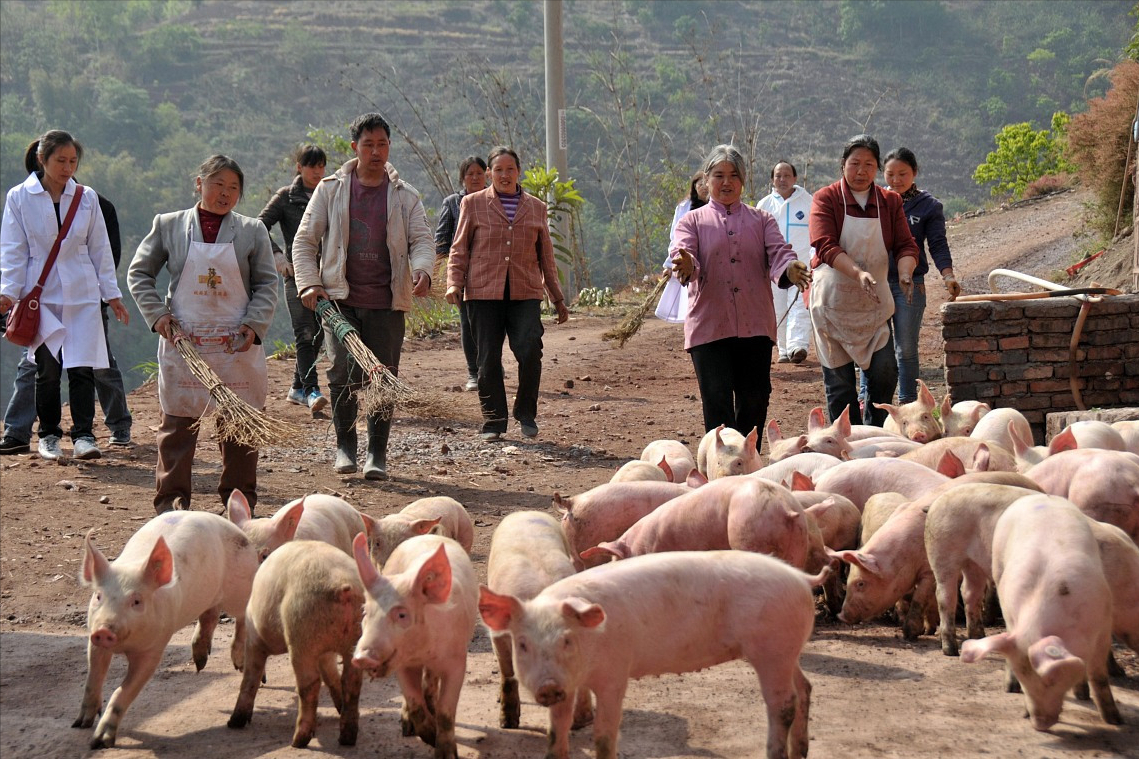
49	449
85	448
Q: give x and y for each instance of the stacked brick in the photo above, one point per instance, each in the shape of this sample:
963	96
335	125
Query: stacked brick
1015	353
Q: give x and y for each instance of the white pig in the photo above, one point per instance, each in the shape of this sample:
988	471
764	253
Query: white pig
1057	604
306	603
861	478
837	517
679	458
439	514
1120	558
1129	432
878	508
419	616
1103	484
994	427
811	464
976	455
644	471
820	437
961	418
528	552
914	420
179	567
673	612
724	452
315	516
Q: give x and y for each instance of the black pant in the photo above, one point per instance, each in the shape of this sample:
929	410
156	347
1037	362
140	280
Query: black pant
842	387
467	337
734	375
309	336
520	322
81	393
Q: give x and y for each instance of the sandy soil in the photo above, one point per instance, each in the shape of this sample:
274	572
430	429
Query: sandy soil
875	695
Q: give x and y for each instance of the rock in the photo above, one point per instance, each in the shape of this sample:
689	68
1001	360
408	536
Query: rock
104	499
569	384
444	449
595	407
67	485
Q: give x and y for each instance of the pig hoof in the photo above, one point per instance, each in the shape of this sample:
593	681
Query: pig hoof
200	662
405	727
348	735
1082	692
300	740
238	721
1112	717
83	721
510	719
98	743
1014	687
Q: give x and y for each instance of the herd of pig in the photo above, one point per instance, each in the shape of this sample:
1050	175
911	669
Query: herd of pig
718	557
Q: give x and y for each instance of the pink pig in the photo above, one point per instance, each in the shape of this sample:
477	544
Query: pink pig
961	418
734	512
1103	484
861	478
179	567
606	511
675	453
1001	426
820	438
976	455
724	452
440	515
914	420
1057	604
316	516
650	615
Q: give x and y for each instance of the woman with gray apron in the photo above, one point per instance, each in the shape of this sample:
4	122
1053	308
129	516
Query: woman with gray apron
856	227
223	289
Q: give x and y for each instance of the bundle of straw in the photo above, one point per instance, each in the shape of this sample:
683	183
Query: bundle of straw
635	318
234	420
382	391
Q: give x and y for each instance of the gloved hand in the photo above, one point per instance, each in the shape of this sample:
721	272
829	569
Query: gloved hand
799	275
684	265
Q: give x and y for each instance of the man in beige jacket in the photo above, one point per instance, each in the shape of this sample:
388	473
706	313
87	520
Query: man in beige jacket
364	243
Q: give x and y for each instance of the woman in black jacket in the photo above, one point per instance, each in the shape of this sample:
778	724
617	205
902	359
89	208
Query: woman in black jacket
286	208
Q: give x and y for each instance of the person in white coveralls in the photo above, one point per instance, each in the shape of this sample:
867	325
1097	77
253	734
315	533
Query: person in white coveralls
790	204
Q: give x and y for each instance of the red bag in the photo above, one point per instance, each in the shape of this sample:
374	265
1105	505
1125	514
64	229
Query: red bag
24	319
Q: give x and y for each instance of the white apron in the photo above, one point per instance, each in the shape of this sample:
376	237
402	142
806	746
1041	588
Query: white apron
210	304
848	324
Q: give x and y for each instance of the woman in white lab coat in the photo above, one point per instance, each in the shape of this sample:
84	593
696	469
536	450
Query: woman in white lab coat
70	332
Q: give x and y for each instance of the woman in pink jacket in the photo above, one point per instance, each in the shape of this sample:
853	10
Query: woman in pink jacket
727	252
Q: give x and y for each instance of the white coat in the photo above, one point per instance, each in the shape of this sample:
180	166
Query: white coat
792	215
83	274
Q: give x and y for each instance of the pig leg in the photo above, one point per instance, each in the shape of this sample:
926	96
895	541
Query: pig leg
415	719
350	680
582	709
947	611
607	718
98	661
446	705
1101	692
1012	685
140	667
511	705
914	623
973	594
1113	668
237	648
307	672
330	674
202	643
250	684
557	737
1082	692
800	740
780	690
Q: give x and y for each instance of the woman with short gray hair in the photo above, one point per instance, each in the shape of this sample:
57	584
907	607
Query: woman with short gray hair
727	252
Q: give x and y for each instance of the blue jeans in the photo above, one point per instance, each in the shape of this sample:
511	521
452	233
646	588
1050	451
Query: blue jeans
842	388
906	325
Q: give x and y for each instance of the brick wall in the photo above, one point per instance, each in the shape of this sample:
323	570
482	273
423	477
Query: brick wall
1015	353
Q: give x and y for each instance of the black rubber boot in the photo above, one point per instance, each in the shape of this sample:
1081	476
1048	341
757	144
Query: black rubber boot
344	424
376	463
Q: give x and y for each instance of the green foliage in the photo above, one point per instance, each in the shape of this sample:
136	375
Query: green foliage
283	351
1023	155
563	204
148	369
596	296
430	317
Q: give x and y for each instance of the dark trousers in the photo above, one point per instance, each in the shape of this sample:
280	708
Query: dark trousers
309	337
80	390
881	377
382	330
467	338
520	323
109	387
177	439
734	375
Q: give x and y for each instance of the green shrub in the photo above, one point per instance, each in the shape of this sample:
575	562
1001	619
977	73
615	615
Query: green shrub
1023	155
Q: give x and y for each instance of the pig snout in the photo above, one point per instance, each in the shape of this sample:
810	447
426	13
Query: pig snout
550	693
372	663
104	637
919	436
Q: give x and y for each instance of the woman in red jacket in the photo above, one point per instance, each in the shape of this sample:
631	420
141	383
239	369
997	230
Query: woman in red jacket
856	229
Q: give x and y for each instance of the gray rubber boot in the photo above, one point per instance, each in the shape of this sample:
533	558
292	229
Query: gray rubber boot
376	463
344	410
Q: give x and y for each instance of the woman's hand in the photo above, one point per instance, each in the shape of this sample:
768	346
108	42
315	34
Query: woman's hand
563	312
311	295
245	337
164	324
799	275
6	304
420	283
120	310
684	264
453	295
906	268
869	285
951	284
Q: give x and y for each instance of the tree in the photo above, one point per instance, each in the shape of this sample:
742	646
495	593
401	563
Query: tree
1023	155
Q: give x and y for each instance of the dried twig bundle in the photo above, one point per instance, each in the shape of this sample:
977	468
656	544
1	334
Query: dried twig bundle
234	420
635	318
382	391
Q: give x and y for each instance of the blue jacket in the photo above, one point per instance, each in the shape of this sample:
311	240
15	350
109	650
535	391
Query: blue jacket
927	223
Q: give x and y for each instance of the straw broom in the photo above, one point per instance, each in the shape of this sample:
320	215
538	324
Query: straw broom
635	318
235	421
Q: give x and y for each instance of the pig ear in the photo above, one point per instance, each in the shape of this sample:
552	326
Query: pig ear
159	569
889	408
1065	441
288	519
666	469
1019	444
238	508
605	549
815	419
864	561
95	564
585	613
695	479
774	435
843	422
717	441
975	650
424	526
980	410
751	442
433	582
498	610
946	407
981	458
368	574
925	397
800	481
950	465
563	505
371	526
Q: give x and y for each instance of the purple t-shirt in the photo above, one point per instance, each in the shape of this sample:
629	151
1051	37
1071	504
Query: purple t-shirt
368	267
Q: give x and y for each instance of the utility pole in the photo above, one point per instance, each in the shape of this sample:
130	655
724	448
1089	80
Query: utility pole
556	137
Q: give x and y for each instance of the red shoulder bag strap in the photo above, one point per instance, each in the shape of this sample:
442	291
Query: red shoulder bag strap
63	230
